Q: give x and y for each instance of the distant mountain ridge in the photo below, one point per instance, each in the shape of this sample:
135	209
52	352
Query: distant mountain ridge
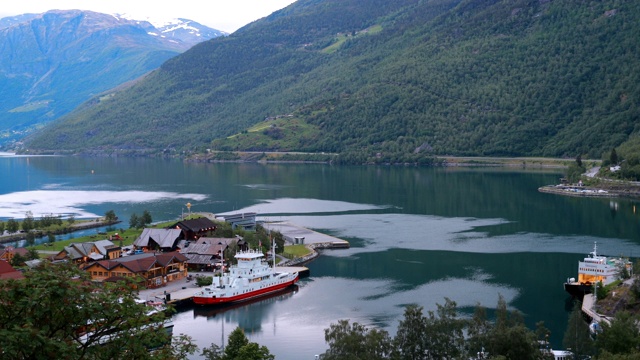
14	20
390	82
54	61
180	29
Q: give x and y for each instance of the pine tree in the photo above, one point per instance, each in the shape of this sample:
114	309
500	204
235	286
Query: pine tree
409	342
576	337
133	221
613	157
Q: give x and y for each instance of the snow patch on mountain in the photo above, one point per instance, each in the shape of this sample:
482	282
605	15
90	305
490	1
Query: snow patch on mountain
170	26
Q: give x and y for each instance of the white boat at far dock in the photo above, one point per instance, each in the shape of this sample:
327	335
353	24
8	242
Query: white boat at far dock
596	269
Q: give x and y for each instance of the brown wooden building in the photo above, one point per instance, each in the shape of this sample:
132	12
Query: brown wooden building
9	252
87	252
154	269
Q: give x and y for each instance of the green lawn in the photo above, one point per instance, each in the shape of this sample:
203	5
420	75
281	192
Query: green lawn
296	251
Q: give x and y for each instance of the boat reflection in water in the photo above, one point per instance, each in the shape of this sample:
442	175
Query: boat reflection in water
256	309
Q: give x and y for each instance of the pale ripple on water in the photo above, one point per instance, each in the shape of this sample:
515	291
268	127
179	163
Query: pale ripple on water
382	232
303	206
45	202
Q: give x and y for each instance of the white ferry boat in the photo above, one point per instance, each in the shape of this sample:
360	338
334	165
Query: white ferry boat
595	269
250	278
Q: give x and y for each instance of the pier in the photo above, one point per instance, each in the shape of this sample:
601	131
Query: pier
295	234
587	308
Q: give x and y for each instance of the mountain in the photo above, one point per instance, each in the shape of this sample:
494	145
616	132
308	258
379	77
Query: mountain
14	20
395	81
181	30
53	62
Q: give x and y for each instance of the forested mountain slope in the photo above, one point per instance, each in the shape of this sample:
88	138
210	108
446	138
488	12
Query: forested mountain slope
398	79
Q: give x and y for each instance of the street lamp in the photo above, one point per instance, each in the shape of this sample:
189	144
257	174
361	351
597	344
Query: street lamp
189	208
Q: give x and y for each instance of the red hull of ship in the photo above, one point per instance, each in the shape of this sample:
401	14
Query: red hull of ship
250	295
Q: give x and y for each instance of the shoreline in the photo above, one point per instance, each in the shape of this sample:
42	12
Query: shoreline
274	157
579	191
73	228
629	191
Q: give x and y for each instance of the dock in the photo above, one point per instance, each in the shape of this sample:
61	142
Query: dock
295	234
587	308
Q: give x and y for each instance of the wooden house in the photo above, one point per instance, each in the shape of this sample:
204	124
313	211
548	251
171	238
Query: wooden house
9	252
205	254
153	269
82	253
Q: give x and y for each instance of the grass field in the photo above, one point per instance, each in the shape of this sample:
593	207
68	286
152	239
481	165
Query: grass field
296	251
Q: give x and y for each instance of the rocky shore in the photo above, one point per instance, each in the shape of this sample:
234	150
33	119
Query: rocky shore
608	189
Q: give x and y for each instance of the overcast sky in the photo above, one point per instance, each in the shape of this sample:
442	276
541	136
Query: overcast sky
226	15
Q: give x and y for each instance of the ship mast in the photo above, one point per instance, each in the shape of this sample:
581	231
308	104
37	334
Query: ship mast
273	249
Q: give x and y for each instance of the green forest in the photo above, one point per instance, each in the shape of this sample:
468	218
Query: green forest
380	81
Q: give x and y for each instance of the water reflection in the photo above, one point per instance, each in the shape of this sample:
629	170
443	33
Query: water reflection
254	311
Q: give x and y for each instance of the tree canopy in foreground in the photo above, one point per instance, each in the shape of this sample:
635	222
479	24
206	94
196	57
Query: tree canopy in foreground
57	312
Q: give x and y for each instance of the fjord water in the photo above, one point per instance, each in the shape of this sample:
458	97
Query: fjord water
418	235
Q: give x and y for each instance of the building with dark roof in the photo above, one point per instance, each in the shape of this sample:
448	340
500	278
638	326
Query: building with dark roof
158	239
194	229
205	253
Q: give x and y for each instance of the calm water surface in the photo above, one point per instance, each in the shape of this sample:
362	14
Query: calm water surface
418	235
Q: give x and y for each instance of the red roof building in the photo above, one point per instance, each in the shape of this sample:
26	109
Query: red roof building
8	272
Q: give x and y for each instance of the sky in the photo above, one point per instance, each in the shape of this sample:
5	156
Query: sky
225	15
